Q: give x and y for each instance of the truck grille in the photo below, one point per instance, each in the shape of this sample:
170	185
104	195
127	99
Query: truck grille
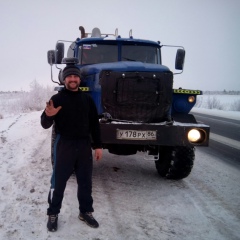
137	96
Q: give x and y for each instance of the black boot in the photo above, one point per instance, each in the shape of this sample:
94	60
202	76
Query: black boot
88	219
52	223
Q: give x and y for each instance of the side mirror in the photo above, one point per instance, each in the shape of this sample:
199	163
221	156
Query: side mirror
51	57
59	53
180	57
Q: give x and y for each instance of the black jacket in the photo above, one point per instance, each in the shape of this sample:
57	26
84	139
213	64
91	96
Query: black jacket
78	117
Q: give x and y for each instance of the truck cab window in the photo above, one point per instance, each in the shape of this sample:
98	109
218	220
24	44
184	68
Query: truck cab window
98	53
138	53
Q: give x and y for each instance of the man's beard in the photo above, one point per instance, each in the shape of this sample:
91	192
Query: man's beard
72	87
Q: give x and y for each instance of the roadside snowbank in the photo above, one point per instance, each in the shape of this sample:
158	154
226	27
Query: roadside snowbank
219	113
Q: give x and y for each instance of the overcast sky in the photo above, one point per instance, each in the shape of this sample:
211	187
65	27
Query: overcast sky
209	30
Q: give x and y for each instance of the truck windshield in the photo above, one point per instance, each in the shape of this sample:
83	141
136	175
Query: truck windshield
146	54
104	53
98	53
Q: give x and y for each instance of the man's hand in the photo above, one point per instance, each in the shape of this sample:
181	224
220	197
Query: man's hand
98	154
50	110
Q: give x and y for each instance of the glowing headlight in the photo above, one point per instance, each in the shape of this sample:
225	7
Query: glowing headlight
194	135
191	99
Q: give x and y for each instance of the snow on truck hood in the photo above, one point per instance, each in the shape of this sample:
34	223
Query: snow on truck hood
124	66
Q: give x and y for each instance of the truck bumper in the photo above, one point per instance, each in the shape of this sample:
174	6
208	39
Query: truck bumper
175	134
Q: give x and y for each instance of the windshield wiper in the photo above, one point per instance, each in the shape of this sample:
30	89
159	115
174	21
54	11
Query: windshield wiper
129	59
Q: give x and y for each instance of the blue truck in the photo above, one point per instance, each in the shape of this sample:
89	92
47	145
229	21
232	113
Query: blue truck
139	110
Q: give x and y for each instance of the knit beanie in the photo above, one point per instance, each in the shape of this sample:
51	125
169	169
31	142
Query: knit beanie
71	70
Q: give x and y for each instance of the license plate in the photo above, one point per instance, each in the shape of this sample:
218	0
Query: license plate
136	135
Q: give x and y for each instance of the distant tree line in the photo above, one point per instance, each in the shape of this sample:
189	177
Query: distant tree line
224	92
36	85
25	101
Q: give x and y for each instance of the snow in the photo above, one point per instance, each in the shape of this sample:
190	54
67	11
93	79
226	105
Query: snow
130	200
226	102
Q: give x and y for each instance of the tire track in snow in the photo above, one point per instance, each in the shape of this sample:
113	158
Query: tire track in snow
26	179
3	133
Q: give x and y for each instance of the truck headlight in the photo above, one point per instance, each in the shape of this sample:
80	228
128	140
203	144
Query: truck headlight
191	99
194	135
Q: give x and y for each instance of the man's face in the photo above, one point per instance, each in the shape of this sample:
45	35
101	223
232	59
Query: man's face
72	82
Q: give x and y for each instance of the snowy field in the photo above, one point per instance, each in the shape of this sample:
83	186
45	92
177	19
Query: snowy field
15	103
220	102
130	200
12	103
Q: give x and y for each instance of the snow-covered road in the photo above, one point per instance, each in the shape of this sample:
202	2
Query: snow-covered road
131	201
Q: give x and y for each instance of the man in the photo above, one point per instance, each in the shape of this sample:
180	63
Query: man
77	131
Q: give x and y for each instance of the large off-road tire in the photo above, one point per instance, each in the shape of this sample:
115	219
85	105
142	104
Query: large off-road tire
175	163
53	137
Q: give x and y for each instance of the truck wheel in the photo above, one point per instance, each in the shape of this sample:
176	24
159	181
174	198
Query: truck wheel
175	163
53	137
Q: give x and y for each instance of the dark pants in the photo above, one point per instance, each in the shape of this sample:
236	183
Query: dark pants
71	155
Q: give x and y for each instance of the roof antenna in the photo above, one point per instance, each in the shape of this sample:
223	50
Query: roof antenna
130	33
116	32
